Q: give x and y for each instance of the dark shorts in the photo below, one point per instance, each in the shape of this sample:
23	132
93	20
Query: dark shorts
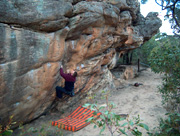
60	91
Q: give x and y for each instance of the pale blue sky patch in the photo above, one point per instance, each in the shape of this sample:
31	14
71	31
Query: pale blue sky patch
151	6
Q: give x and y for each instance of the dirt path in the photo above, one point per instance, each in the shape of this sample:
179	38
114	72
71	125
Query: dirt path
143	100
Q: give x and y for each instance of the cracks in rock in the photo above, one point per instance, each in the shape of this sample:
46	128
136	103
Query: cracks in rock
20	27
6	63
133	15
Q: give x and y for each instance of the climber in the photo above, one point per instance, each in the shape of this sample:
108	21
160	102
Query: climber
70	79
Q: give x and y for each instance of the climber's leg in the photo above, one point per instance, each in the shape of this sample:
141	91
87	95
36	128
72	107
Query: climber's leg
59	91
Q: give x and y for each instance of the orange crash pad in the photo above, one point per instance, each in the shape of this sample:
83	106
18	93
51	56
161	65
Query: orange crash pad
76	120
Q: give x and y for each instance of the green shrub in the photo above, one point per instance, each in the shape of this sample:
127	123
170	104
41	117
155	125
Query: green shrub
169	126
165	59
6	131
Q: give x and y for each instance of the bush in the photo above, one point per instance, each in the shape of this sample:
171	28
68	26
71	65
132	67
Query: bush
6	131
165	59
169	126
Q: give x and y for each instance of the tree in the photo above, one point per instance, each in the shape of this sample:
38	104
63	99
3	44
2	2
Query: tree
143	51
173	12
165	59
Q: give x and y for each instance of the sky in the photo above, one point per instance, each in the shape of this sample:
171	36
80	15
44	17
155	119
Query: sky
151	6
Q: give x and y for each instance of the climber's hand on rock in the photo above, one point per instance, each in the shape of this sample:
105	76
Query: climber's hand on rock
61	66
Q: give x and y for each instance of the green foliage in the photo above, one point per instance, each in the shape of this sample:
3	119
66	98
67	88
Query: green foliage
6	131
114	122
143	51
173	13
165	59
162	53
169	126
165	55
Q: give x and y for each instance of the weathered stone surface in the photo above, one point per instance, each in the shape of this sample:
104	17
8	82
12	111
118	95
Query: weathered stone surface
38	35
121	4
147	27
41	15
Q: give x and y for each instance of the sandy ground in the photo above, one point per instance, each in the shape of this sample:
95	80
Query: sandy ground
143	100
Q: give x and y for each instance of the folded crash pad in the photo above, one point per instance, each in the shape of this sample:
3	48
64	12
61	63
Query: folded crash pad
76	120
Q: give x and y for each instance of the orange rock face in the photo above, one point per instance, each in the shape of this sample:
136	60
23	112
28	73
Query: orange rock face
83	36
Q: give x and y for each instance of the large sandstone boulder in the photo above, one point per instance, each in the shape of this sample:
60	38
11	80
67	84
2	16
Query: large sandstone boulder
38	35
43	15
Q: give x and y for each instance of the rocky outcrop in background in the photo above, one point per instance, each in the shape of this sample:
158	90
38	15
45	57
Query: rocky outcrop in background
36	36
